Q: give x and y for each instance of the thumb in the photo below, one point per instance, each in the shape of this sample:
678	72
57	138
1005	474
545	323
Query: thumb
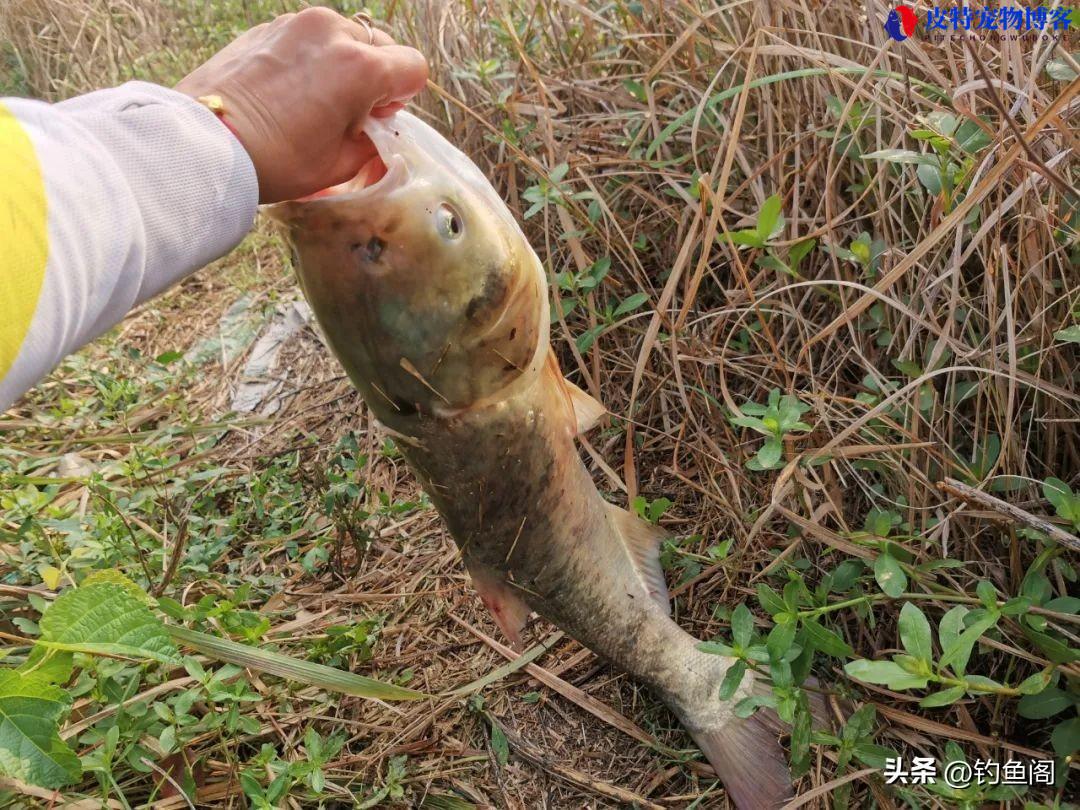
398	73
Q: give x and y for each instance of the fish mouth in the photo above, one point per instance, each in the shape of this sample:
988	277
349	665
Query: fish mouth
385	171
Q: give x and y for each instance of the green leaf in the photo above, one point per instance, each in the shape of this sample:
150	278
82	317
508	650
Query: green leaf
1070	334
30	747
499	746
1060	71
283	666
747	238
732	678
715	648
890	575
826	640
1066	737
630	303
987	594
106	618
587	338
883	672
1045	704
769	219
1053	649
54	666
769	454
799	251
770	600
1035	684
1061	496
780	639
901	156
943	698
930	177
951	626
958	653
742	625
915	631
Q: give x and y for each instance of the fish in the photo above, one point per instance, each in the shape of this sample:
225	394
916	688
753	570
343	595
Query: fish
429	294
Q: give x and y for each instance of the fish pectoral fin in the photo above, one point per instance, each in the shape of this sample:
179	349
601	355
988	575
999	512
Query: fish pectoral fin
642	541
587	409
507	608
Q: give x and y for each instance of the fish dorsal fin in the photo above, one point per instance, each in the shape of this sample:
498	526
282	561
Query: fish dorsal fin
506	607
586	410
642	541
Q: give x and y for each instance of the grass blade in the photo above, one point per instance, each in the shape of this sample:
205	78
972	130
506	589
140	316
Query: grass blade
273	663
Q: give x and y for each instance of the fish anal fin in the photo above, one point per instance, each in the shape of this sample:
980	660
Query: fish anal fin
507	608
642	541
748	758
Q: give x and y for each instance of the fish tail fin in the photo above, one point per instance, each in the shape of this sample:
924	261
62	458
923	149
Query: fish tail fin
748	758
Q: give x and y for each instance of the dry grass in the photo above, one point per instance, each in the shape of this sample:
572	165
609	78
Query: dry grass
916	362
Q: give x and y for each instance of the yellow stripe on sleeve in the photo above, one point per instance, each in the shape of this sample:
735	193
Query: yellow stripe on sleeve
24	239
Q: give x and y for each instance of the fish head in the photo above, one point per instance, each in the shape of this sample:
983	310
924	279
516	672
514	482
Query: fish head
422	281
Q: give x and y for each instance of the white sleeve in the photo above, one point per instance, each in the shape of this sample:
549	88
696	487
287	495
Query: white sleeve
142	185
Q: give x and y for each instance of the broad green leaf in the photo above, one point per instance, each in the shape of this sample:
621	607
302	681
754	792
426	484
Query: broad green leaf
930	177
283	666
799	251
1055	650
901	156
781	637
1061	71
957	654
106	618
54	666
742	625
629	304
769	454
826	640
499	746
890	575
770	600
915	631
1045	704
971	138
943	698
1070	334
769	219
732	678
1066	737
1035	684
951	626
30	748
746	238
883	672
715	648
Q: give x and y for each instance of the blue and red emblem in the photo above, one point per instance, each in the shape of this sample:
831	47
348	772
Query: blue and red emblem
900	24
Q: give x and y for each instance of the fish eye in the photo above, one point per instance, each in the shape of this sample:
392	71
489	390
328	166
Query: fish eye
448	222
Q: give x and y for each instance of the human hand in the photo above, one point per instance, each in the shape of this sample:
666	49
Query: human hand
296	92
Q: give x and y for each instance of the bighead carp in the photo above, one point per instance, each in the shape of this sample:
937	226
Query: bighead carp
433	301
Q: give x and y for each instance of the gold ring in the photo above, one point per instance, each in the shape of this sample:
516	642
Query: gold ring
364	19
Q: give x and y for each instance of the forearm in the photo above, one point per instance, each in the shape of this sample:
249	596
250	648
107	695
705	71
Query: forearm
112	198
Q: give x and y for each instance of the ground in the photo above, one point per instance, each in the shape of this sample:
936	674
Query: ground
833	316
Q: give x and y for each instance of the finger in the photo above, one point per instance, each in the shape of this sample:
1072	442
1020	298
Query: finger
365	32
398	73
